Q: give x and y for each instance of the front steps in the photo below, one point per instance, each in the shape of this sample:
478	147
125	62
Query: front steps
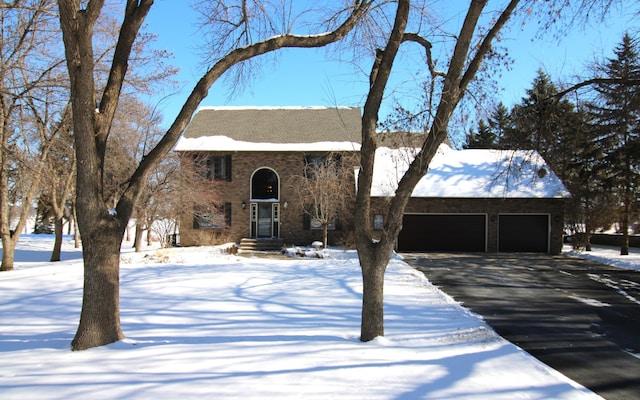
248	245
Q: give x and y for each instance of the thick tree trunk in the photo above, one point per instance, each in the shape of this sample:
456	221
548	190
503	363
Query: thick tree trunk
100	315
8	253
373	262
57	245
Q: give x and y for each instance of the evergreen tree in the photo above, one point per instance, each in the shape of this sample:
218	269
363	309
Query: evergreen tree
500	123
483	139
544	124
616	113
590	204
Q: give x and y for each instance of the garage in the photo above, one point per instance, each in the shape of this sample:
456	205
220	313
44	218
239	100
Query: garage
523	233
443	232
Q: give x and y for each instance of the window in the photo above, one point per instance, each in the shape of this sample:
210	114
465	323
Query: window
221	167
378	222
314	162
310	223
213	218
264	185
218	168
311	163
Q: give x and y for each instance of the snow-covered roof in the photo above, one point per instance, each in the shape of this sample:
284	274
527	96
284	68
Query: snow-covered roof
472	173
273	129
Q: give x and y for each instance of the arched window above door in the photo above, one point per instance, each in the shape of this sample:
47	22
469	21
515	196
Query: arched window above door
265	185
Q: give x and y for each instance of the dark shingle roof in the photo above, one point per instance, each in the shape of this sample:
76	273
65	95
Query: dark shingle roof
277	124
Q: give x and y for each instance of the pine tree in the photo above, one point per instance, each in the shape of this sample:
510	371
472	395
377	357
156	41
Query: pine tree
543	124
616	113
483	139
584	176
500	123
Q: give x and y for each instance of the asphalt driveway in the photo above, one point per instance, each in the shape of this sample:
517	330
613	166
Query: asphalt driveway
580	317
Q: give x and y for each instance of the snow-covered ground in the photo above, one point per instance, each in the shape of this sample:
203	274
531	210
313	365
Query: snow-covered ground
201	324
609	255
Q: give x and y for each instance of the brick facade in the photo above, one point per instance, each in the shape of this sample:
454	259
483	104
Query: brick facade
237	193
291	226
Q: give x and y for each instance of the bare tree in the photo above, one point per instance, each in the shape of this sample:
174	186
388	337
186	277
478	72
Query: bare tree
471	45
466	56
31	104
325	190
58	179
102	228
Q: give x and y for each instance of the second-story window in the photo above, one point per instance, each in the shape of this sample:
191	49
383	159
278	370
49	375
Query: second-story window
219	168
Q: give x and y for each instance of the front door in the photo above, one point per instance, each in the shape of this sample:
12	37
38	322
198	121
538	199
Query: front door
265	220
265	223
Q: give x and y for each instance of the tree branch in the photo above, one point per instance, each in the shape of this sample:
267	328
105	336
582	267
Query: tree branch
201	90
596	81
134	16
414	37
485	46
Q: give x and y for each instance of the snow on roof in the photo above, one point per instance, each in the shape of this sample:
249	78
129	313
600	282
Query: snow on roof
272	129
225	143
473	173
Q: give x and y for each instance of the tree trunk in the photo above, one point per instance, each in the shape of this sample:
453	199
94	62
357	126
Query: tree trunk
8	245
100	315
150	236
137	241
76	230
624	246
373	262
57	245
8	252
325	235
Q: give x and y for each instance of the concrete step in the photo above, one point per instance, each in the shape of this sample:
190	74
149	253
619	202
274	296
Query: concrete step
261	244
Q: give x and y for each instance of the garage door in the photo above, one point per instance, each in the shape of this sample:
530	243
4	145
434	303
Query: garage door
443	232
523	233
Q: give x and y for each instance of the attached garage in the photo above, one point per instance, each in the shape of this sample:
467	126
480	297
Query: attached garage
523	233
443	232
475	200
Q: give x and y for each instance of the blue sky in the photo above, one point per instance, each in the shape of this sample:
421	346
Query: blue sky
307	77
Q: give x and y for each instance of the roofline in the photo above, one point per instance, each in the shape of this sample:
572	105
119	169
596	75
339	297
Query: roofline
232	108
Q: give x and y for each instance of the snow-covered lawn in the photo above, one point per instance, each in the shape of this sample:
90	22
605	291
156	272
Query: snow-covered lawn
609	255
201	324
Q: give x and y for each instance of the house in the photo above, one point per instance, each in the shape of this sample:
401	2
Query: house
470	200
254	153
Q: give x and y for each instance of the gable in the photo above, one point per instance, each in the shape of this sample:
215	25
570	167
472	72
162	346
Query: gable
273	129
